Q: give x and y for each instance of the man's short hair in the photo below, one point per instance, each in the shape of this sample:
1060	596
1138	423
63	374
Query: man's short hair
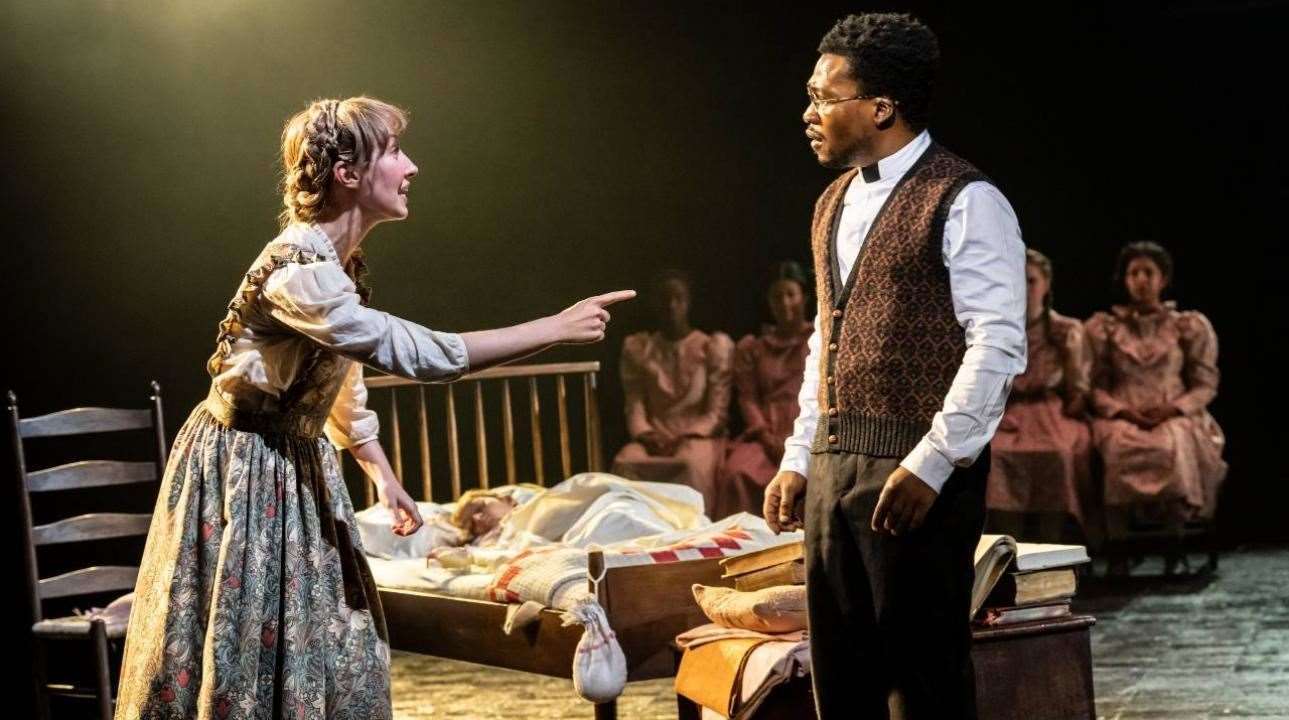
891	55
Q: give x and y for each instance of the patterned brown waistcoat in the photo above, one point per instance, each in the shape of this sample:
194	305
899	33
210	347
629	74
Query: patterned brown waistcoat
891	343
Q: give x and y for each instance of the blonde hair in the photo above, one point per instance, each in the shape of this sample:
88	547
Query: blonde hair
330	131
461	515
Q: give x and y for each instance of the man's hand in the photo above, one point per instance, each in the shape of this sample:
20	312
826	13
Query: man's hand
903	504
785	500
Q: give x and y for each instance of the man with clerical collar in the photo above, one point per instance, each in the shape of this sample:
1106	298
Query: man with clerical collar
920	270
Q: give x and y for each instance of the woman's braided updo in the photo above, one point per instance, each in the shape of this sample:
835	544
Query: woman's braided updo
330	131
1044	266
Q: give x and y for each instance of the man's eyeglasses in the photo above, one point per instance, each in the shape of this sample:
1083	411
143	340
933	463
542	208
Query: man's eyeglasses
821	104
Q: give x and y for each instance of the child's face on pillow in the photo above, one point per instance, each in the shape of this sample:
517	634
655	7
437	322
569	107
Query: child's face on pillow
485	514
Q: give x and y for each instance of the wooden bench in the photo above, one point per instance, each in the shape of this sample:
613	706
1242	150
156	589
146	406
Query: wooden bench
1031	671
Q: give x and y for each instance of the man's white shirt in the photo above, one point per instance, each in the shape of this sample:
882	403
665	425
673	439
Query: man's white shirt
985	256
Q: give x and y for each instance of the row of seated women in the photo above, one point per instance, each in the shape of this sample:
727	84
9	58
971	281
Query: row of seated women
1108	422
677	384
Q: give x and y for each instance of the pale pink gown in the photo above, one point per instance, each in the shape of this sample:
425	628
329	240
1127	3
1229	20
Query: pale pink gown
1042	457
681	388
1166	356
768	370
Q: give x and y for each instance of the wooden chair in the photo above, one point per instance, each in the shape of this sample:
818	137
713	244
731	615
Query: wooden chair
1129	537
80	529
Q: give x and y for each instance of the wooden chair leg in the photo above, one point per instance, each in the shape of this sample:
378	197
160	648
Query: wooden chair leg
102	670
40	678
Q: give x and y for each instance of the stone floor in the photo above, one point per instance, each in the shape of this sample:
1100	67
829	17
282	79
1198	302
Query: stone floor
1181	649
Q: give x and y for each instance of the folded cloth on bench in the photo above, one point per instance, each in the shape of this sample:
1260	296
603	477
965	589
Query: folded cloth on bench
734	675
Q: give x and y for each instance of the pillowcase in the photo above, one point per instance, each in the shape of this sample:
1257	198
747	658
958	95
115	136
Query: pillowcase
777	609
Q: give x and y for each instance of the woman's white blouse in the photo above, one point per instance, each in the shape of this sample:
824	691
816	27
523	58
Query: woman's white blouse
307	305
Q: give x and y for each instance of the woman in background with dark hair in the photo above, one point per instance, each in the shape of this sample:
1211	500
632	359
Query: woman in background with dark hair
1041	472
1155	372
676	381
768	369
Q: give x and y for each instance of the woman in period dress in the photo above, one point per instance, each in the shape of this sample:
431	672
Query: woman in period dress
253	597
677	385
1154	374
768	369
1042	452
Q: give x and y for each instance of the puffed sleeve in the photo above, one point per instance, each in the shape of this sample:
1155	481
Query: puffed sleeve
1199	346
1097	329
720	360
319	301
633	385
749	390
351	422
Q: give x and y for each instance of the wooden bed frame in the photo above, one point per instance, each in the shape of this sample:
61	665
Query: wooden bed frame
647	605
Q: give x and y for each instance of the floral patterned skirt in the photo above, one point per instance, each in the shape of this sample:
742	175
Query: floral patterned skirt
254	599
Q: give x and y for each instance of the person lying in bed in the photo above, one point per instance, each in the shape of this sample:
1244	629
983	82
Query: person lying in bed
587	509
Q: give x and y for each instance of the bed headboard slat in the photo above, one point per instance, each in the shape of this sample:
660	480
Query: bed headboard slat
508	431
423	430
535	404
454	445
480	435
588	457
395	434
565	456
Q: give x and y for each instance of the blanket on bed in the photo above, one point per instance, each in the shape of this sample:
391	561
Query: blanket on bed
539	552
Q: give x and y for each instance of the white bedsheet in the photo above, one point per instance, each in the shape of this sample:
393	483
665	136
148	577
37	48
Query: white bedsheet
413	574
633	523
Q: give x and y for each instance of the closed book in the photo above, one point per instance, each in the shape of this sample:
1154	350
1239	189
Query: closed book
994	617
788	573
998	554
1042	556
1033	588
761	559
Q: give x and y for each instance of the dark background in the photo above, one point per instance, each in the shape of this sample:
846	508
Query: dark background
571	148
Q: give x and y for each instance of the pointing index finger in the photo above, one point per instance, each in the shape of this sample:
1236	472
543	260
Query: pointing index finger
613	297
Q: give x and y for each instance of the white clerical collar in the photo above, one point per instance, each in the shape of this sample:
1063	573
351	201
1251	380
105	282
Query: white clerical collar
893	166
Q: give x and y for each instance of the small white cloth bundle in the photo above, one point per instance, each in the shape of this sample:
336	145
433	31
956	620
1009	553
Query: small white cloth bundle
599	667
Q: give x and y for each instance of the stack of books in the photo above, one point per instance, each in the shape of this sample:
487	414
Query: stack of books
1015	581
1020	582
771	567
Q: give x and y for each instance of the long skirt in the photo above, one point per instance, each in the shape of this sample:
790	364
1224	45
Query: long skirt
1177	463
744	475
254	599
1041	460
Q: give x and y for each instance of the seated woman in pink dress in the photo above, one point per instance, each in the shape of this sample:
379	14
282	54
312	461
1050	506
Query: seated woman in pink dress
1155	372
677	386
768	369
1041	473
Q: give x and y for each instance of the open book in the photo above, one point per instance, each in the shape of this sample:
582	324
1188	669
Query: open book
995	554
